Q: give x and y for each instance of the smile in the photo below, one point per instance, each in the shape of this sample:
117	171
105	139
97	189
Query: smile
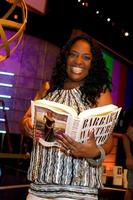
77	70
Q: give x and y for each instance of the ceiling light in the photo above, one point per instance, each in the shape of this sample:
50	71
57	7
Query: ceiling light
126	34
108	19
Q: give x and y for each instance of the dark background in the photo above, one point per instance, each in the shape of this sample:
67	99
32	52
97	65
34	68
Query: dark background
62	16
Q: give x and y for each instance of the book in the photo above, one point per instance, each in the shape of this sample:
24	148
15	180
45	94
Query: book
49	118
125	180
118	175
103	174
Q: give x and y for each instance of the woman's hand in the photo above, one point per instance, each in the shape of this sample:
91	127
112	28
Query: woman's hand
39	134
76	149
29	129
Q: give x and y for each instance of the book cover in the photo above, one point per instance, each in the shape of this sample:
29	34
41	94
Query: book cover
103	174
49	117
118	175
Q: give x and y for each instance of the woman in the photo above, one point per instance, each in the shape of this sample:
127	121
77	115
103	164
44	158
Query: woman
80	79
128	148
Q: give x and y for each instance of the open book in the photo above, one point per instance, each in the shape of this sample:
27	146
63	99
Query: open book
50	118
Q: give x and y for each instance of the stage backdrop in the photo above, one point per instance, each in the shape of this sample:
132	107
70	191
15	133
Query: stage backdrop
22	74
122	80
32	63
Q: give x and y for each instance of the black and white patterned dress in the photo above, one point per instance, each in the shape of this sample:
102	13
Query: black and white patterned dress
58	174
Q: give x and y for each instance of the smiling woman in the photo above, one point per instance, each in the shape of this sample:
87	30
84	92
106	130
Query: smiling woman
79	61
75	82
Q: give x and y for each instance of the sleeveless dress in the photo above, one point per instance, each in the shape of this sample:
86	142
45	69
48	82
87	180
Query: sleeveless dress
60	175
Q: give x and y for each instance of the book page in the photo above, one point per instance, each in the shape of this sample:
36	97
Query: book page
57	107
101	125
73	128
98	110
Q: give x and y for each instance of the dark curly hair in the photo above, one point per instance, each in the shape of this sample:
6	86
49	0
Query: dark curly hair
98	79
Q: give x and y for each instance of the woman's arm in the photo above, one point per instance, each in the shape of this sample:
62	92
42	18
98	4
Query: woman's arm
127	149
130	133
126	144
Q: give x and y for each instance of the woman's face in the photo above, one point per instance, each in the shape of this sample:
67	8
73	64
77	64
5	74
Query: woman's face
79	61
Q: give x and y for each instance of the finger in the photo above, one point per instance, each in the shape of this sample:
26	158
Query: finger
59	131
66	139
62	144
65	150
39	132
91	135
39	135
29	131
28	125
69	142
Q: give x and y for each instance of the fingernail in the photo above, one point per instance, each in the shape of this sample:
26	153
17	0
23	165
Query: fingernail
58	136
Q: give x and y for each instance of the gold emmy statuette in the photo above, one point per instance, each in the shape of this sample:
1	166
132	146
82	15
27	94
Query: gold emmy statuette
6	23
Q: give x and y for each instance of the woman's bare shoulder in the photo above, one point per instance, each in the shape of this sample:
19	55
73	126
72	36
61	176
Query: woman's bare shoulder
105	98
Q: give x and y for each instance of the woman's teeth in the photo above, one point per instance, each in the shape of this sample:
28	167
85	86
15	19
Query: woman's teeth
77	70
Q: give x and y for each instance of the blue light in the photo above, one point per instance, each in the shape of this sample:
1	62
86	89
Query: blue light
6	85
5	108
2	120
7	73
5	96
2	131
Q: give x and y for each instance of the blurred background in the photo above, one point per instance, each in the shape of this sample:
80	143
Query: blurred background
50	23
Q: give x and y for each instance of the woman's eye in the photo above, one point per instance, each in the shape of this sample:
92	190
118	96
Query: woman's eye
72	54
87	57
75	55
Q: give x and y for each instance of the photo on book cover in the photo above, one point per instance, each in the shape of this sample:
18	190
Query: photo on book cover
49	123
